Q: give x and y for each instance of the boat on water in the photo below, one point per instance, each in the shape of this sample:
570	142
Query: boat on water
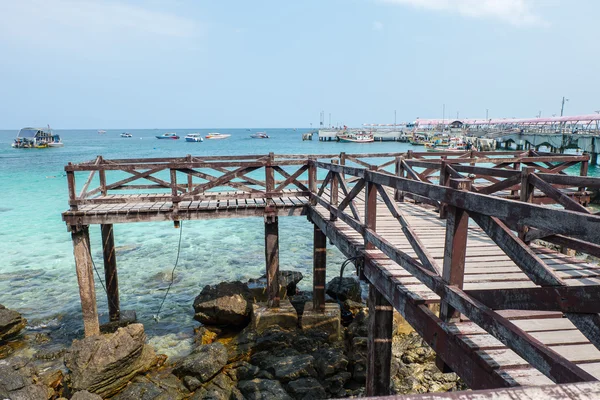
101	131
168	135
36	138
259	135
126	134
193	137
356	137
418	140
217	135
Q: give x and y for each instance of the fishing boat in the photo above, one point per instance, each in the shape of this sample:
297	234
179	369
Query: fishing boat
126	134
259	135
168	135
36	138
193	137
418	140
217	135
355	137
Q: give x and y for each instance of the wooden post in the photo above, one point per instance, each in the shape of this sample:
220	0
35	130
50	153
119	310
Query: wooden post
379	355
269	175
102	176
343	162
334	191
455	250
443	182
516	167
272	258
174	193
399	195
370	208
190	177
319	269
583	171
110	271
85	279
312	180
71	186
526	195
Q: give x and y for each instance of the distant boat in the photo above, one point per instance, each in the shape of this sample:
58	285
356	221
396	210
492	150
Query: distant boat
126	134
36	138
101	132
356	137
259	135
168	135
193	137
248	130
217	135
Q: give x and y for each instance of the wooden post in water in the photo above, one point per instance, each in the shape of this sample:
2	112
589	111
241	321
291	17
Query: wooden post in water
319	269
455	251
272	259
110	271
85	279
379	354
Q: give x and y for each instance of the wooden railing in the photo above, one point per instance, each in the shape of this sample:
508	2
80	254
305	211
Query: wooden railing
498	218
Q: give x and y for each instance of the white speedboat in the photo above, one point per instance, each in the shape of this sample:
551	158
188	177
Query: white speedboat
259	135
217	135
126	134
193	137
168	135
356	137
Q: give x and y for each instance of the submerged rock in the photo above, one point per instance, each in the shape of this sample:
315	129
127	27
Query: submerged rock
344	288
11	323
104	364
228	303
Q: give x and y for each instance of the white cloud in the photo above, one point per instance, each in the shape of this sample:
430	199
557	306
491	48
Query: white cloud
47	20
377	26
516	12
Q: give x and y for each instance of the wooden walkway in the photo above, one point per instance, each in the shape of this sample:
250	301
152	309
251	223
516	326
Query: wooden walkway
444	231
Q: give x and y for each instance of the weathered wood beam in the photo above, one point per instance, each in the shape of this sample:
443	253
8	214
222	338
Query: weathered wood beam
557	195
272	258
110	271
379	345
85	279
319	269
291	178
350	195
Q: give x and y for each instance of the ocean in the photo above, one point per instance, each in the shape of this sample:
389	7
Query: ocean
37	269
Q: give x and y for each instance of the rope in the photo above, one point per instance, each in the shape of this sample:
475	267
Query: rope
156	316
99	277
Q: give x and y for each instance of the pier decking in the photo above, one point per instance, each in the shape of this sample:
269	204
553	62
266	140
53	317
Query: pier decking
447	230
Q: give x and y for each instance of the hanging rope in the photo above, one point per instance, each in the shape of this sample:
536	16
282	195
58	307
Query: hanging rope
157	315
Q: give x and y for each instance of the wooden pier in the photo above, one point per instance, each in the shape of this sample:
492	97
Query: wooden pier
429	229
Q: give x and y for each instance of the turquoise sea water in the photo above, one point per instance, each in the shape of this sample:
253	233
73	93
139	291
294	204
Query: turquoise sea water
37	273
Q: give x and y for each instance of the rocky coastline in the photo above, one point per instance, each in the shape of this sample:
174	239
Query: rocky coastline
234	356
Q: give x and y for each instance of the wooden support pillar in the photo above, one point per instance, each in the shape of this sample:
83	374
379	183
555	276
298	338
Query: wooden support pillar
379	355
110	271
455	250
272	259
526	195
190	177
319	269
174	193
594	158
444	178
399	170
583	171
312	180
516	167
334	191
85	279
370	208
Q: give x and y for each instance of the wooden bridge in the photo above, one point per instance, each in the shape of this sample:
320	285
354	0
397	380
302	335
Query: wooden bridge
454	232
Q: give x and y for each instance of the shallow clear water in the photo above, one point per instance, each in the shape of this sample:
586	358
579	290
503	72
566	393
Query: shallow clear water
37	272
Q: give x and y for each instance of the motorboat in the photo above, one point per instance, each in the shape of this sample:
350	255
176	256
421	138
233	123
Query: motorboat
217	135
193	137
126	134
101	131
168	135
356	137
36	138
259	135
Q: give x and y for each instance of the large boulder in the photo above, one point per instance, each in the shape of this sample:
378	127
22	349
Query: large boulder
17	384
11	323
263	389
204	363
306	388
344	288
288	280
104	364
228	303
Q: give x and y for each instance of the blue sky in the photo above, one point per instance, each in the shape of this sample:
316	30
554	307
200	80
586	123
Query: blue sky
185	63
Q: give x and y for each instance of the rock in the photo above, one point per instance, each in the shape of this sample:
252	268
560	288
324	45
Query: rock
358	358
16	384
141	391
306	388
299	300
203	335
263	389
288	280
242	371
330	361
104	364
349	289
85	395
335	384
191	383
11	323
241	345
228	303
30	392
289	368
220	388
204	362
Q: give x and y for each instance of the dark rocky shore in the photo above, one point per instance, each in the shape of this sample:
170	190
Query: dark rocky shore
232	358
